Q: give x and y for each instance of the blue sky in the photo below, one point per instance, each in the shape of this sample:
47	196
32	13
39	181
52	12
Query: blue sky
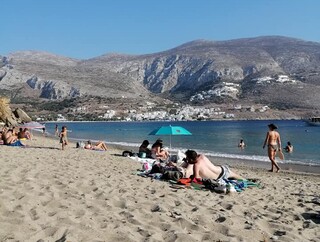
88	28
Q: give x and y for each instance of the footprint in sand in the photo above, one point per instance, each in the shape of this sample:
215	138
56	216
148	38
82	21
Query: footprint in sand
33	214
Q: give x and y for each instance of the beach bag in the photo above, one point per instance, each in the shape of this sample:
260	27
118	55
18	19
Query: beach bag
157	168
172	175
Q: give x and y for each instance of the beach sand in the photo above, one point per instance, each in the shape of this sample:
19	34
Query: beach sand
47	194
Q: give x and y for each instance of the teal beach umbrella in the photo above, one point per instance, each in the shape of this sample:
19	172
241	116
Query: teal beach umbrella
170	130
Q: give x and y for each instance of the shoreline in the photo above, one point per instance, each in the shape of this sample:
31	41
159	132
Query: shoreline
245	163
285	167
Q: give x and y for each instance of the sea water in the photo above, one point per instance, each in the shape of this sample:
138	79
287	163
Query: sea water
214	138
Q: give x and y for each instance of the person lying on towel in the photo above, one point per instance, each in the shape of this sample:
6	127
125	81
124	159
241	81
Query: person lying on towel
203	168
98	146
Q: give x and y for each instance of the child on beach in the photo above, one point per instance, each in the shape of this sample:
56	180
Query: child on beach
63	137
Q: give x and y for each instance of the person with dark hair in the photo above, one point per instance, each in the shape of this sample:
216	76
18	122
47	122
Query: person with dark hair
203	168
24	134
289	147
159	152
274	144
21	134
144	149
241	144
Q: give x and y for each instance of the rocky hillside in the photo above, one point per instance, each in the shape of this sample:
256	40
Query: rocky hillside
277	71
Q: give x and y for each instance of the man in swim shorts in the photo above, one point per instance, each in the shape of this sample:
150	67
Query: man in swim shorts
274	144
203	168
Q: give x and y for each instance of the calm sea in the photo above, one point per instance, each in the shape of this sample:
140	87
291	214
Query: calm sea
215	138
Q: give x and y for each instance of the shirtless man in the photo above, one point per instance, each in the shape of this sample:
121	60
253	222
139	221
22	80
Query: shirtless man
203	168
274	143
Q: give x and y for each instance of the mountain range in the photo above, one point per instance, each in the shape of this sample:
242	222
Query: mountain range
278	71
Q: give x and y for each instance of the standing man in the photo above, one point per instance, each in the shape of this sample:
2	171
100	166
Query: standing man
274	144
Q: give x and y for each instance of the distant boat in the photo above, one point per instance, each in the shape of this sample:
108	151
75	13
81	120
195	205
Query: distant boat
314	121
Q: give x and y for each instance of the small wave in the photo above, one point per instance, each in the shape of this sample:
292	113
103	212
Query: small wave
136	145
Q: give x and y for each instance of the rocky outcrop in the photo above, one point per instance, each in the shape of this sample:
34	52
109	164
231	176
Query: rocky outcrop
21	116
14	118
53	89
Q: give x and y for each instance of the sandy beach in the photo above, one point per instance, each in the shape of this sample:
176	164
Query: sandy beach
81	195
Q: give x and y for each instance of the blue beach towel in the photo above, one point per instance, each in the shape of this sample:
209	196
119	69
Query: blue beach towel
17	143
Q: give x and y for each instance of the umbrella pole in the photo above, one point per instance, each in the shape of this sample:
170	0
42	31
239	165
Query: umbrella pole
170	142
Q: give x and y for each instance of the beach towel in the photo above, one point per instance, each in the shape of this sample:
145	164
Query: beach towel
184	181
17	143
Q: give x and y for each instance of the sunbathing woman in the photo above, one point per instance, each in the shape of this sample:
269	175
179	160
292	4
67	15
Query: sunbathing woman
99	146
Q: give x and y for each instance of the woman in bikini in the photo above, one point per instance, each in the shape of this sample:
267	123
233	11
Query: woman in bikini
274	144
99	146
63	137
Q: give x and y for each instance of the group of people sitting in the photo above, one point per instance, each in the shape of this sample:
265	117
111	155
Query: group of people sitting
158	151
9	136
194	165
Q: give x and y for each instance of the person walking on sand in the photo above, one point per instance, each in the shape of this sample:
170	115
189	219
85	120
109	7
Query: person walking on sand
273	141
63	137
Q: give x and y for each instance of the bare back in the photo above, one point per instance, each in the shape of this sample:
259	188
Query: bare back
205	169
273	137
